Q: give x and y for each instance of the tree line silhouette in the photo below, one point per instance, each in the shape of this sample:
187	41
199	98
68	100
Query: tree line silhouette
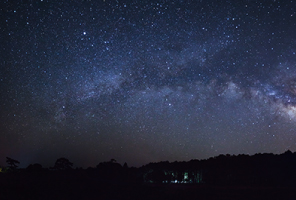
266	174
258	169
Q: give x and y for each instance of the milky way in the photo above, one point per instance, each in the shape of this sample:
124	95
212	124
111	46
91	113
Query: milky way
145	81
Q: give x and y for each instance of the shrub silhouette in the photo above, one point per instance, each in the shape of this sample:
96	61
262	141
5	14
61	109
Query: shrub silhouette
63	164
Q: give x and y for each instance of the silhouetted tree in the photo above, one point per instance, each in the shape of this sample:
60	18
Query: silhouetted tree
13	164
288	152
63	164
110	170
125	165
34	168
156	176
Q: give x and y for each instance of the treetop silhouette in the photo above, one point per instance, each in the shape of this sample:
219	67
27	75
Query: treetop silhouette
63	164
13	164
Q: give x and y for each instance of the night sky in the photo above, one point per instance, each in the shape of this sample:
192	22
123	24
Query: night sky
146	81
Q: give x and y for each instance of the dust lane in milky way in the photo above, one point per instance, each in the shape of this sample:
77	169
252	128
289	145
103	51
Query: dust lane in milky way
146	81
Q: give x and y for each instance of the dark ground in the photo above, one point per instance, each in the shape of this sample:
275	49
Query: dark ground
61	186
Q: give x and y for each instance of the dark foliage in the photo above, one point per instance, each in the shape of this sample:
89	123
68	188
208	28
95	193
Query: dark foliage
63	164
13	164
35	168
259	169
261	176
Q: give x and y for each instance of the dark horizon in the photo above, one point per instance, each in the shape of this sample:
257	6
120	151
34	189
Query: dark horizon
261	176
23	166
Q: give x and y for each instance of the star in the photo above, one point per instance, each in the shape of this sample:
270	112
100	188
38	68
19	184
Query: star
144	82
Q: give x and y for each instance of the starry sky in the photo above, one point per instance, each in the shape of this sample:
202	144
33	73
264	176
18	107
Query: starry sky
146	81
